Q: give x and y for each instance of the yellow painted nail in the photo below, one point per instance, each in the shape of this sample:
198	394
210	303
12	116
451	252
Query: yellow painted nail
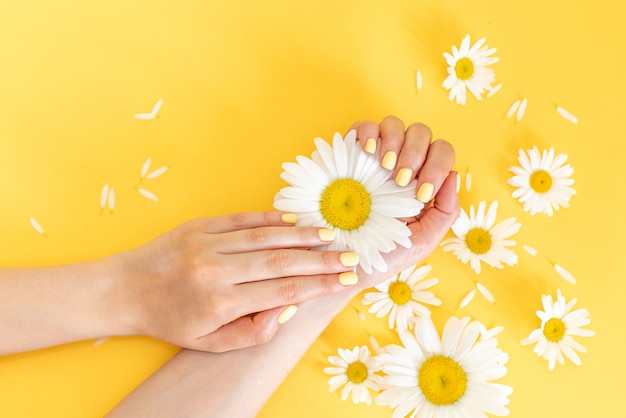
326	234
348	278
389	160
287	314
404	176
349	259
289	218
425	192
370	145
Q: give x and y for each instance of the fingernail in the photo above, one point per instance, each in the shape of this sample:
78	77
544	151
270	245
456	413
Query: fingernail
349	259
370	145
404	176
289	218
287	314
458	182
425	192
326	234
348	278
389	160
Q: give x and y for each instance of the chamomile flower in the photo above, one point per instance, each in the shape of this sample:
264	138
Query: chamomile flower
479	238
402	297
542	181
449	376
344	188
558	325
468	69
355	370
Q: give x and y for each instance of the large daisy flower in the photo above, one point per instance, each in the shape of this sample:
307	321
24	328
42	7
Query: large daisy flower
344	188
468	68
542	181
449	377
403	297
558	325
478	238
356	371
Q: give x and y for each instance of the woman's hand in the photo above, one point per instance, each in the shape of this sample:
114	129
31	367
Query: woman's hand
411	153
227	282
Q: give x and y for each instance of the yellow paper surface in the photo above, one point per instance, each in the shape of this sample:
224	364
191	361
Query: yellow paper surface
247	86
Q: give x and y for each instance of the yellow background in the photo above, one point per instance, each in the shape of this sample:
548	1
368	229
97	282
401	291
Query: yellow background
246	86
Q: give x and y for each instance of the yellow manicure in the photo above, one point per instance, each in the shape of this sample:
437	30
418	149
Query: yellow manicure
404	176
349	259
370	145
289	218
348	278
287	314
389	160
425	192
326	234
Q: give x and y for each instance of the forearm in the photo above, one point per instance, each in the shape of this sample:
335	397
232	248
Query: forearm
45	306
197	384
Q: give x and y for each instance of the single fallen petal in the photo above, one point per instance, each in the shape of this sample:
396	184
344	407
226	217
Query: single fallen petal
148	195
36	225
565	274
146	167
103	196
374	344
100	341
468	180
467	299
157	172
111	199
521	110
493	90
530	250
486	293
156	107
512	109
567	115
486	334
144	116
419	80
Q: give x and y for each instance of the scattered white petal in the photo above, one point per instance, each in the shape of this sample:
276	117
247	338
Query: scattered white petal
103	196
486	293
467	299
493	90
36	225
530	250
468	180
158	172
374	344
146	167
513	109
419	80
144	116
567	115
565	274
157	107
111	199
486	334
100	341
521	110
148	195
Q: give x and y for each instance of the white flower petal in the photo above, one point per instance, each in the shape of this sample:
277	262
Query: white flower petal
157	172
486	293
567	115
513	109
565	274
147	194
36	226
522	110
103	196
145	167
467	299
530	250
111	199
419	80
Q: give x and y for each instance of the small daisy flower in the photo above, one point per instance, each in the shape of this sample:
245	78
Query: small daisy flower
542	181
478	238
356	371
344	188
449	376
402	297
468	69
558	325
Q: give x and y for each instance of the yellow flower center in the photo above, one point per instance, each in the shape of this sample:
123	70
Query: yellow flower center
464	68
345	204
554	329
399	292
540	181
478	240
357	372
442	380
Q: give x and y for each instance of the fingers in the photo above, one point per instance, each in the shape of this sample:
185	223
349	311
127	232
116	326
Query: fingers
243	220
435	169
265	238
